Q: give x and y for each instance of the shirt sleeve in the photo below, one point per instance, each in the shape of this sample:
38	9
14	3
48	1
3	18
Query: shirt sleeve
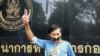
70	50
39	42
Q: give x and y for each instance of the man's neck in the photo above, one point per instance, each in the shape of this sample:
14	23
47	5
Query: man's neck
57	41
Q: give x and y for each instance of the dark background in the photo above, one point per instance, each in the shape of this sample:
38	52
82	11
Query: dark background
80	20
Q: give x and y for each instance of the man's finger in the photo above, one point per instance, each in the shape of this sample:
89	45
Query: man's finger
25	12
29	13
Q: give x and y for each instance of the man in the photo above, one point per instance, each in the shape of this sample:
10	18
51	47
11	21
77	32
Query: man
53	47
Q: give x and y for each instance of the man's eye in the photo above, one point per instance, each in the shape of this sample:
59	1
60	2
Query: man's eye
55	34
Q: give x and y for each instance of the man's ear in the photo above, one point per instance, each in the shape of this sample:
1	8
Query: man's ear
61	34
48	34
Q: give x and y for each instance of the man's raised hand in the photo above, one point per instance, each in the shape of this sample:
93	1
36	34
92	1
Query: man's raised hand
25	17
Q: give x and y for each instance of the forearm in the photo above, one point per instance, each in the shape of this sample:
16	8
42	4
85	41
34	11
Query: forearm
29	33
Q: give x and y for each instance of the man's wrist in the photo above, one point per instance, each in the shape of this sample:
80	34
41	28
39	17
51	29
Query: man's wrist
26	25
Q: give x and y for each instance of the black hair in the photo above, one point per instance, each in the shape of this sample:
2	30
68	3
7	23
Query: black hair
54	27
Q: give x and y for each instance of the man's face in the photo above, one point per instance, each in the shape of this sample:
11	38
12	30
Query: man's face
55	34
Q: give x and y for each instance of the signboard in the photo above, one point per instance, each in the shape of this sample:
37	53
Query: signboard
78	18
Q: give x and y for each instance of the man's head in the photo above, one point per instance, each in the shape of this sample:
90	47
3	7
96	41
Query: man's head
55	32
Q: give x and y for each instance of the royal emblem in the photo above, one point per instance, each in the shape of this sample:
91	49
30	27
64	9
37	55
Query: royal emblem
1	2
11	13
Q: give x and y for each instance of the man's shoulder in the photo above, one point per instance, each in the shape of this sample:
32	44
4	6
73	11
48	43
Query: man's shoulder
66	42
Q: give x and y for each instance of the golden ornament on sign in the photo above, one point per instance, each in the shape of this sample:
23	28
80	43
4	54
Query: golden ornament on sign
10	17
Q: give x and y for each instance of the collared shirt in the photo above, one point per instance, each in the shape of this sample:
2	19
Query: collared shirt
63	49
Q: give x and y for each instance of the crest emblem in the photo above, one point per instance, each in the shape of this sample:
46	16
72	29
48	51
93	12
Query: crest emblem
1	2
11	13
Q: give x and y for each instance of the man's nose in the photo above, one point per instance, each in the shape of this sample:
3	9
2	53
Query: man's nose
55	36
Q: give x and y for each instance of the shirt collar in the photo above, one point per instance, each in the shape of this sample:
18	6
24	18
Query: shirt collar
52	42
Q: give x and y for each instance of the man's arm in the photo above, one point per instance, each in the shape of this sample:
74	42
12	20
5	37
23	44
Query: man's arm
25	19
31	37
70	50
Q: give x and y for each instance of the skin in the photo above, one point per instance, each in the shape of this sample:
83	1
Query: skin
55	34
25	18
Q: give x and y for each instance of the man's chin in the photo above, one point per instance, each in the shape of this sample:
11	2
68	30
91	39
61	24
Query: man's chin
56	39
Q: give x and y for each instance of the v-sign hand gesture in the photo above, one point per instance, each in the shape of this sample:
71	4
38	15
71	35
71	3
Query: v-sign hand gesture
25	17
